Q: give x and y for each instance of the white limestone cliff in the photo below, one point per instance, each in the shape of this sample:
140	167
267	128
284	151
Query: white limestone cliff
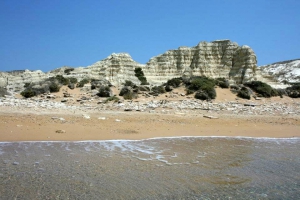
116	68
221	58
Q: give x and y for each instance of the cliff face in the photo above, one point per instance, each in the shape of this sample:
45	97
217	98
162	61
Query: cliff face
15	81
221	58
116	68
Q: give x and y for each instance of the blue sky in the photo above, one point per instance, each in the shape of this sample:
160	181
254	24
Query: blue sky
38	34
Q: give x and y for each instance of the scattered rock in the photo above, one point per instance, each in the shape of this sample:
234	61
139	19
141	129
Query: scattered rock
210	117
60	131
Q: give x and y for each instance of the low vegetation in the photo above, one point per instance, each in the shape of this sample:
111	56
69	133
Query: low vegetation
262	89
104	91
140	75
203	86
244	93
113	98
82	82
294	90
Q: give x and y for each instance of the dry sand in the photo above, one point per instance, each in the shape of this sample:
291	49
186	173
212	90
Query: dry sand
37	126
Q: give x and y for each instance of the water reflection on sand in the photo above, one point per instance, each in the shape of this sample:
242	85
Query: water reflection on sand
169	168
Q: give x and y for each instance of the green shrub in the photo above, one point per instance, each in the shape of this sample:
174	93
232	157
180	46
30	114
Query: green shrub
140	75
204	87
188	91
234	87
174	82
158	89
54	87
73	80
129	83
67	71
62	80
222	82
113	98
201	82
168	88
104	91
206	94
294	90
27	85
262	89
82	82
244	93
28	93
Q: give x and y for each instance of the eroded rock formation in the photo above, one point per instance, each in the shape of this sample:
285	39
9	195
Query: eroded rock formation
15	81
116	68
221	58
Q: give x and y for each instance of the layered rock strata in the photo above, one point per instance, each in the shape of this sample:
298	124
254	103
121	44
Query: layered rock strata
116	68
221	58
15	81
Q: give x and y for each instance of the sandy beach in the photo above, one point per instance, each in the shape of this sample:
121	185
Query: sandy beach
134	126
38	124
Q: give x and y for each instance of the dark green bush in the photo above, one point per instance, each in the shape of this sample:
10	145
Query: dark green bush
201	82
222	82
27	85
54	87
73	80
82	82
294	90
158	89
140	75
206	94
67	71
104	91
174	82
129	83
168	88
188	91
28	93
204	87
262	89
62	80
244	93
234	87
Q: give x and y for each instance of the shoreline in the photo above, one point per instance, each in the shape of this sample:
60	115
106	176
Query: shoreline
147	139
137	126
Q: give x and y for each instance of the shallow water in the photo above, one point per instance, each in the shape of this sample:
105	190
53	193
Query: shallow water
169	168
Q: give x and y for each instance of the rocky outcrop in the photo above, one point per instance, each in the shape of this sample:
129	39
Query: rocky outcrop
15	82
221	58
285	71
116	68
